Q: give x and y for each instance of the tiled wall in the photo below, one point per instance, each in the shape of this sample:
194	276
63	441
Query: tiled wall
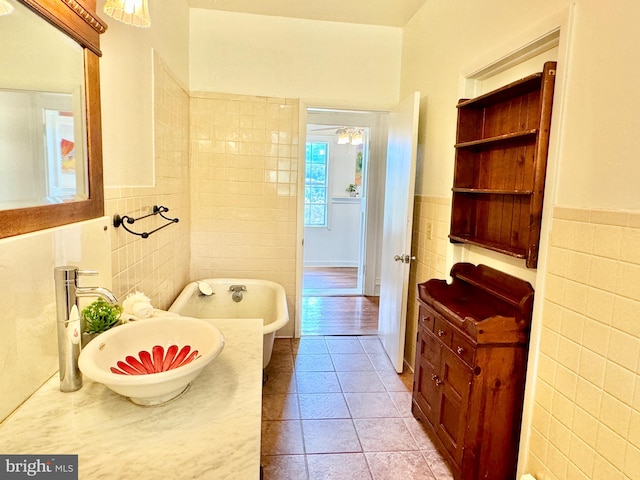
244	157
586	417
428	245
159	264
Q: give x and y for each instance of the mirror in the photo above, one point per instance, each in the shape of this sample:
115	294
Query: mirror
50	143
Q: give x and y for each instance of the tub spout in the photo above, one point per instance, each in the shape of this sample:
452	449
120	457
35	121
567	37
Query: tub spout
237	292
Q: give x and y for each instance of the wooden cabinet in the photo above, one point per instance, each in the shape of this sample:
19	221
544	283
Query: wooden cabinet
470	367
500	166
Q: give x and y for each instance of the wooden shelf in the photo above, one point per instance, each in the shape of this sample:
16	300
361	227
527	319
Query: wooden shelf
492	191
496	247
501	145
518	88
495	141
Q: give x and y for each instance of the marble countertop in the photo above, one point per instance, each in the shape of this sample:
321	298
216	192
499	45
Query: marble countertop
212	431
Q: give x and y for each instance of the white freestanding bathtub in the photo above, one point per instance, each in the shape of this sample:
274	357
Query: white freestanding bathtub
214	298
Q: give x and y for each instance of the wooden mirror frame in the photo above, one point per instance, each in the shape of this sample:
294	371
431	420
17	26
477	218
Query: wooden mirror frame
78	21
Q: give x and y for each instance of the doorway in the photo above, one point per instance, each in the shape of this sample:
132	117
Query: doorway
341	209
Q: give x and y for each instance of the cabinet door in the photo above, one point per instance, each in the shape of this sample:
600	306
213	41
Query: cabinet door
454	385
425	388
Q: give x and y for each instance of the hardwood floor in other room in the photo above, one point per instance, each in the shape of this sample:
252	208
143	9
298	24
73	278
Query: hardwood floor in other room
330	278
357	315
336	315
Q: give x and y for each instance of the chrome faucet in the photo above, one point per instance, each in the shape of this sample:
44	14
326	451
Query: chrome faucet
69	322
237	292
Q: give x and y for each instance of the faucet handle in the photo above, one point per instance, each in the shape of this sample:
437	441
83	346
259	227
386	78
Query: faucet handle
87	272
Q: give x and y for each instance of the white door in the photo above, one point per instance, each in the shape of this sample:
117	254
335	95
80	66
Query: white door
398	219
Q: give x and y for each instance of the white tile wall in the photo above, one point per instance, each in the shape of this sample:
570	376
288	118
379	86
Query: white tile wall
159	264
244	157
428	245
586	420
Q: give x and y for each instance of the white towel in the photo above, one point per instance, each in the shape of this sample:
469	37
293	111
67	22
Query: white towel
137	305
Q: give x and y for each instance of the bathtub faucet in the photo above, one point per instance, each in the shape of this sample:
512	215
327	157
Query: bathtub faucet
237	292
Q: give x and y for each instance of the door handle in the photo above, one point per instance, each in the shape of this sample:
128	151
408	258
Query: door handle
404	258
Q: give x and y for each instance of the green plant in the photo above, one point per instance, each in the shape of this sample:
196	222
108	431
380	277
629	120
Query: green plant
351	188
100	316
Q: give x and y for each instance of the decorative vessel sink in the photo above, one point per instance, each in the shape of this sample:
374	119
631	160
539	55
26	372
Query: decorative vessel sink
151	361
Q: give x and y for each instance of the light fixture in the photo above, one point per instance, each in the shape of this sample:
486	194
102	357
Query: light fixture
343	138
131	12
350	135
5	7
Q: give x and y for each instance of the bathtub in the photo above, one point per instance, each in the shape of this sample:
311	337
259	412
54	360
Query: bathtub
212	298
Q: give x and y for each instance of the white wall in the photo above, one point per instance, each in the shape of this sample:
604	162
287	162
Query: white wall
599	166
293	58
28	338
127	88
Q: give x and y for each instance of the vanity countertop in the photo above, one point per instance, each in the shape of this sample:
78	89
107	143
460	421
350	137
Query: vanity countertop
212	431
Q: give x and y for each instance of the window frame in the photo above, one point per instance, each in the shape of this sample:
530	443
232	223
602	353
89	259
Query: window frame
326	202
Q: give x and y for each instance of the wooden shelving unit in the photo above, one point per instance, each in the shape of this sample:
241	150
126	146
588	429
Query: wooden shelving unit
500	167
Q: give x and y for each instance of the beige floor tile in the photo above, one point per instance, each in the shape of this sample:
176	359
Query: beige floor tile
280	467
384	435
316	392
313	363
330	436
402	401
280	406
356	362
371	344
420	435
371	405
279	363
381	362
343	466
282	346
309	345
282	437
438	465
399	466
367	381
281	382
344	345
317	382
323	405
393	382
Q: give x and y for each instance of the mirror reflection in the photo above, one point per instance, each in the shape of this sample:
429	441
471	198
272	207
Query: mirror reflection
42	140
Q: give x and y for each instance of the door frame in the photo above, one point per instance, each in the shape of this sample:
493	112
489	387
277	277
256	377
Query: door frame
372	241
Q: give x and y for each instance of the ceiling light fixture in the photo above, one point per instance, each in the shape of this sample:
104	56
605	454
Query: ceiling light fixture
350	135
131	12
5	7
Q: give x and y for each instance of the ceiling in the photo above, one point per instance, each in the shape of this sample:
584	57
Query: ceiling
392	13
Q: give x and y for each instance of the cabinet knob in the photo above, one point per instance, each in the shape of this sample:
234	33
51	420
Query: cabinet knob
437	381
441	333
460	350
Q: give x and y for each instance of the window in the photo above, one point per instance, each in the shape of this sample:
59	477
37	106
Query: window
315	185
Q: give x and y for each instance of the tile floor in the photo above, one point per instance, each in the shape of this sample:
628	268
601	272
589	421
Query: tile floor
334	408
